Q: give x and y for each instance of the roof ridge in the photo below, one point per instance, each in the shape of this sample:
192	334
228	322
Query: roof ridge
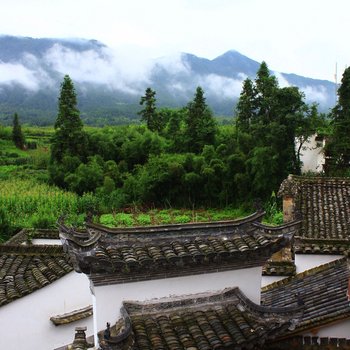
308	272
42	249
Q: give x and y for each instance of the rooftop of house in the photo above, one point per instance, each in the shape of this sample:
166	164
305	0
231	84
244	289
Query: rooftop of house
26	236
323	291
323	205
120	255
27	268
226	319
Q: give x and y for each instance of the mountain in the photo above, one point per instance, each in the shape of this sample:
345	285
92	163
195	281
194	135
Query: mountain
109	84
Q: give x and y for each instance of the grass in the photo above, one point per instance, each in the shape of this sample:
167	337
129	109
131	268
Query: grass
28	203
169	216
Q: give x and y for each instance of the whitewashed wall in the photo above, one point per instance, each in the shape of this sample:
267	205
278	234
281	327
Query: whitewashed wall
25	323
109	298
340	329
312	156
305	262
270	279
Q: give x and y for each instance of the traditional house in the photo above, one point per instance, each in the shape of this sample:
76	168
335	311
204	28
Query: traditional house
324	291
323	206
188	263
40	294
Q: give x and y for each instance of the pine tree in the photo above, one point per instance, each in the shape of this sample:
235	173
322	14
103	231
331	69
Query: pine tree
200	123
338	148
149	114
17	135
245	109
69	138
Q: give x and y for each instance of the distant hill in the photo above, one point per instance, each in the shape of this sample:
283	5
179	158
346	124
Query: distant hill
109	85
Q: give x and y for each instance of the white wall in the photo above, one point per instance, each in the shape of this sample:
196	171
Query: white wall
45	241
305	262
25	323
312	156
270	279
340	329
109	298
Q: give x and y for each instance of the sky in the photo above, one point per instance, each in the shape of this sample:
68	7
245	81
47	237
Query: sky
305	37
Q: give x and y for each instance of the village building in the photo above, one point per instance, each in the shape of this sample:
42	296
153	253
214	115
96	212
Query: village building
202	278
145	264
42	299
323	206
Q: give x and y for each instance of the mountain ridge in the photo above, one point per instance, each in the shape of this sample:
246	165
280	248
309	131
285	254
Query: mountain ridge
108	84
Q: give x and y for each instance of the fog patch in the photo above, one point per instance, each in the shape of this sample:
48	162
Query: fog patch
16	73
174	64
282	81
221	86
315	93
98	67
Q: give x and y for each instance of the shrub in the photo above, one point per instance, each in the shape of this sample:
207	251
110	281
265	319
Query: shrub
144	219
182	219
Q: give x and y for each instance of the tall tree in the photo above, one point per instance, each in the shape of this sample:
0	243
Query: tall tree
339	146
200	124
69	138
17	134
268	119
246	109
149	114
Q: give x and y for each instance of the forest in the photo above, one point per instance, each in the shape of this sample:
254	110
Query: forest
176	165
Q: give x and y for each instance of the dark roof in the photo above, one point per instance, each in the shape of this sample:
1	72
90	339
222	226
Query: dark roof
25	269
27	235
114	256
279	268
203	321
323	290
72	316
323	204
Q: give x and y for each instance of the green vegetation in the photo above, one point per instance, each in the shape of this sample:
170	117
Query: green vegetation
178	158
338	149
17	135
169	216
27	203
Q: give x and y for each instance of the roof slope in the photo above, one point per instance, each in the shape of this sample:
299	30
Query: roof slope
115	256
202	321
25	269
322	203
322	290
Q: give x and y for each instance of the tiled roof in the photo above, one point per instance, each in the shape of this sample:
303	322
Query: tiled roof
24	269
279	268
168	251
323	204
322	290
26	236
73	316
203	322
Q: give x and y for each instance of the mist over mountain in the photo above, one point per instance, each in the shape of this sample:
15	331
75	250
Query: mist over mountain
109	84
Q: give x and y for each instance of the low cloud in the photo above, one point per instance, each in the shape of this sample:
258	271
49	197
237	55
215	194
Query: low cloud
16	73
221	86
315	94
100	67
282	81
174	64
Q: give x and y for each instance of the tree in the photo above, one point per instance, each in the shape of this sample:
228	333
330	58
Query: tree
17	135
69	138
245	109
268	121
200	123
149	114
338	148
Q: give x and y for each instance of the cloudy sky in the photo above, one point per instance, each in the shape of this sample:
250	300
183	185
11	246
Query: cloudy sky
306	37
